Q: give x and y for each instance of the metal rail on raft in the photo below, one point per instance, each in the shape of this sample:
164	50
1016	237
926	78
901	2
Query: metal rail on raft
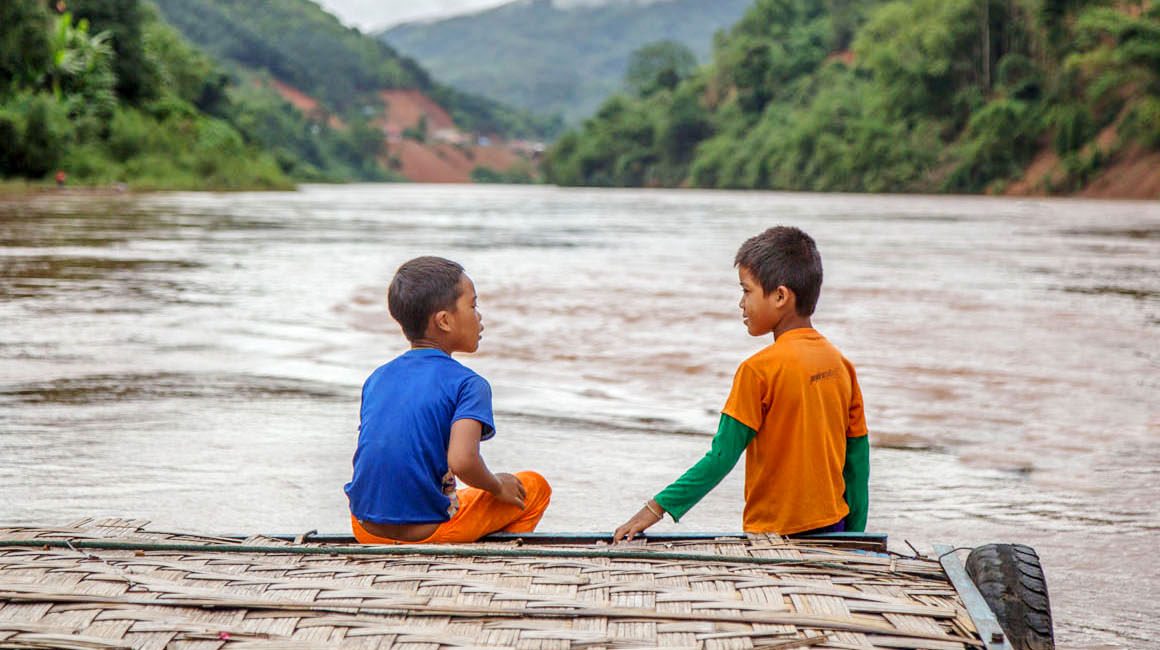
863	541
984	619
527	546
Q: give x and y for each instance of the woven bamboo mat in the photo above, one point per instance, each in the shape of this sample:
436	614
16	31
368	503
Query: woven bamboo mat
111	583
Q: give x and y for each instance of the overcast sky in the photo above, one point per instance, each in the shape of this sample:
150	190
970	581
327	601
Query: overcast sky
371	15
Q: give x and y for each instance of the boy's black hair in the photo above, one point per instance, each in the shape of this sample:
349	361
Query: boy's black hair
420	288
784	255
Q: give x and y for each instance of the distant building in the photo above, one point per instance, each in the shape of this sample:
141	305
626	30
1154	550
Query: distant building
450	136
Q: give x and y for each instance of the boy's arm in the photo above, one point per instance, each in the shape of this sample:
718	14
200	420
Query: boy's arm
730	442
856	473
680	496
465	461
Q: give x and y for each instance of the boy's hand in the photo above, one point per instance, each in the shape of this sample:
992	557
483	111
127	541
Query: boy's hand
635	526
510	490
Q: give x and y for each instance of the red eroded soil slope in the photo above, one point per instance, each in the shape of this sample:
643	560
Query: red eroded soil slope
447	156
306	104
431	163
1135	176
405	108
448	163
1131	173
297	98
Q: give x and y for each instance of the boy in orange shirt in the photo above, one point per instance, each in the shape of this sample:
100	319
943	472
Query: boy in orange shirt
795	409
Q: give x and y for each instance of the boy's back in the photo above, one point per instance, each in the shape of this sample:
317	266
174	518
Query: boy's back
802	398
407	409
422	418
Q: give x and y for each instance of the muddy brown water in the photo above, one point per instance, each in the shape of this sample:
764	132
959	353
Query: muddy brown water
195	359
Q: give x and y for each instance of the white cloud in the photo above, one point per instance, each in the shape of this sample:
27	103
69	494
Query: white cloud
371	15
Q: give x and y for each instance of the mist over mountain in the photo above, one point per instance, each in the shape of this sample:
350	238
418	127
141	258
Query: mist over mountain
557	56
568	4
379	15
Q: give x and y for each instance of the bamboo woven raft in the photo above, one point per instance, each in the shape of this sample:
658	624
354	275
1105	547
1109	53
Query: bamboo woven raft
111	583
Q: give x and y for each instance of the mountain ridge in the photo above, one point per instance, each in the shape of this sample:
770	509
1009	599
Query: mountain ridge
302	44
554	59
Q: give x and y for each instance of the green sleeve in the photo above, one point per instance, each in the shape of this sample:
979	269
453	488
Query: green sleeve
728	445
857	476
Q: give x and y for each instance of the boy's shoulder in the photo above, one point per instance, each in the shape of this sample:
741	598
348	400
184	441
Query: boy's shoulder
777	353
424	365
789	350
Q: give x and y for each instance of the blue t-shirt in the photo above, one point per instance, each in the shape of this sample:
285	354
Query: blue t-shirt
408	406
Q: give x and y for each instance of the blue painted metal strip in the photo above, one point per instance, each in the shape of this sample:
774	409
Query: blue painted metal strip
877	540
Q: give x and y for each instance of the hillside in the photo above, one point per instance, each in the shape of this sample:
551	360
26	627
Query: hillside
556	59
347	86
300	44
1019	96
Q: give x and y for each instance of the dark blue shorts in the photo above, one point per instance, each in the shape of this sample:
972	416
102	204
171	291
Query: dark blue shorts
839	527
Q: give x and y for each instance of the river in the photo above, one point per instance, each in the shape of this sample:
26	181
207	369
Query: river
196	359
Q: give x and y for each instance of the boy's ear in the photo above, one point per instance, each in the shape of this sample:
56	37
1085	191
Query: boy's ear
441	320
783	296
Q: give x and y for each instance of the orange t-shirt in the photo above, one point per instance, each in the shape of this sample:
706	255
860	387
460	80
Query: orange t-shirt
802	398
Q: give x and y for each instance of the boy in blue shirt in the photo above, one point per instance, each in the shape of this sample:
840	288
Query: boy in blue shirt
423	416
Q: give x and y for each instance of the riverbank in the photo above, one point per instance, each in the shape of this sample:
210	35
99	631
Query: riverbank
1147	189
14	188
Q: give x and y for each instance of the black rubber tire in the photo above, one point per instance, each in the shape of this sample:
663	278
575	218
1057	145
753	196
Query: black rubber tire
1011	580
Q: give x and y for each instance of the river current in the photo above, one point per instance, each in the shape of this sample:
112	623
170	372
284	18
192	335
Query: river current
196	359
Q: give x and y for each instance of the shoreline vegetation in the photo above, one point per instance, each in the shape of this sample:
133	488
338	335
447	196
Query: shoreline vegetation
11	188
20	190
1022	97
192	95
105	93
1002	97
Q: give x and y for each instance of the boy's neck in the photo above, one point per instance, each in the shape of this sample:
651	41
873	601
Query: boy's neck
430	344
791	322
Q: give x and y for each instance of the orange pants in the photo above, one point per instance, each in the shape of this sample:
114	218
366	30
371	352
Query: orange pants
480	514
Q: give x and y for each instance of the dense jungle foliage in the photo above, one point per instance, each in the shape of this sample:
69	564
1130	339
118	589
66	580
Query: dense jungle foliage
887	96
552	59
106	92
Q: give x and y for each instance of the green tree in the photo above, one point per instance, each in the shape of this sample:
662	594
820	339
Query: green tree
362	146
36	132
915	51
1000	137
185	71
1116	63
137	79
79	59
658	66
24	47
